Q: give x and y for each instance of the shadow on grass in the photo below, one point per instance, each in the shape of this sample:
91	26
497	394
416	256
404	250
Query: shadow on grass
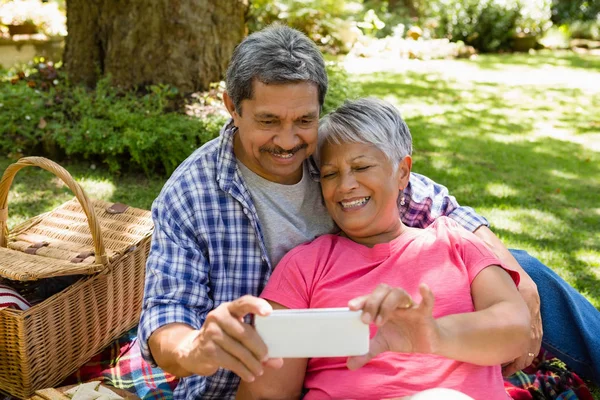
540	59
477	140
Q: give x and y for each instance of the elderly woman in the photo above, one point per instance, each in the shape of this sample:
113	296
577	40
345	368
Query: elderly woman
393	273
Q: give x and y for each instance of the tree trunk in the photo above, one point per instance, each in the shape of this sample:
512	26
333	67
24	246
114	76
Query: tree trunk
183	43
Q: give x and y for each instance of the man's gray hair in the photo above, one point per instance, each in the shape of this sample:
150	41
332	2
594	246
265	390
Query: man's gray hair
275	55
369	121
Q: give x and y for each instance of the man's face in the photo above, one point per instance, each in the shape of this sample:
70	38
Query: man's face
277	129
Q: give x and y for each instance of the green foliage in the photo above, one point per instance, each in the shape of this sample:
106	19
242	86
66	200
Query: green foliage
327	22
341	88
123	127
21	110
392	16
124	130
566	11
585	29
488	25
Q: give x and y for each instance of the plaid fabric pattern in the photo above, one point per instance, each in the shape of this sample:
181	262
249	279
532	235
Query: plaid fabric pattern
208	247
426	200
546	378
121	365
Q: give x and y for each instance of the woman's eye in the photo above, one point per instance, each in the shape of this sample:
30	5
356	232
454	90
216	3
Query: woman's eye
328	175
364	168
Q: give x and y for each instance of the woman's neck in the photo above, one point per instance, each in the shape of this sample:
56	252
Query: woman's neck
392	232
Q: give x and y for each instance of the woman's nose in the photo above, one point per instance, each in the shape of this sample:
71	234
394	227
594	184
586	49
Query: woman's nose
347	182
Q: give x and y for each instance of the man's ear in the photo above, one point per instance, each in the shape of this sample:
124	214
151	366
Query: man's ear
230	107
404	168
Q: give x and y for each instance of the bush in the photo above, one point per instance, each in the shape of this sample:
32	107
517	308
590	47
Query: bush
566	11
488	25
585	30
124	130
40	113
341	88
327	22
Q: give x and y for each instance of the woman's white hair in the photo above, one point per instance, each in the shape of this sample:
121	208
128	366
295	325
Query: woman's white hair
369	121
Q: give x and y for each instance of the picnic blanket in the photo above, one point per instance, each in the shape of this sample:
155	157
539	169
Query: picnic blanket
121	365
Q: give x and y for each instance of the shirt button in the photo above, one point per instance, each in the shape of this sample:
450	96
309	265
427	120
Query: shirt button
245	210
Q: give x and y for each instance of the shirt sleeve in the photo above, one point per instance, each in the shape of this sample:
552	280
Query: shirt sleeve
476	255
427	200
289	285
176	286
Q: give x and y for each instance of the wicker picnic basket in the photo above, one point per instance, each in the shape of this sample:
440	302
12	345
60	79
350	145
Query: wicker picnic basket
104	247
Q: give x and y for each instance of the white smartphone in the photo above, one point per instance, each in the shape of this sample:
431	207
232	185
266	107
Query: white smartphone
315	332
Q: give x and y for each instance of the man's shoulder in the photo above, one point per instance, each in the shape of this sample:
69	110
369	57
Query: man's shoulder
194	182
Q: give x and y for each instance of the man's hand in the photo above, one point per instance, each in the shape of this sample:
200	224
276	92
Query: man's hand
224	341
403	326
529	292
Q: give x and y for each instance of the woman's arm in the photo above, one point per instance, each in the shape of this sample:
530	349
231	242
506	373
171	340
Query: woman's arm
283	383
497	332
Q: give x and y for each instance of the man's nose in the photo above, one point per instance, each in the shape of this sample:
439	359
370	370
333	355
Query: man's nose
287	138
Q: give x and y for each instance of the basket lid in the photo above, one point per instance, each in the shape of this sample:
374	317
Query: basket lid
59	243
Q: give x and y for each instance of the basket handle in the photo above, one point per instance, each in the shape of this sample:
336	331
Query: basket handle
65	176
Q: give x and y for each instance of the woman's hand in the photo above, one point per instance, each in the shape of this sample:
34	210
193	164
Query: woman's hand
404	326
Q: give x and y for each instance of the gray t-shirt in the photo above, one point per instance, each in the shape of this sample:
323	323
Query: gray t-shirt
289	214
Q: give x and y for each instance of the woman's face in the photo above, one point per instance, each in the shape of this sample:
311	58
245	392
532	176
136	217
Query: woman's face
361	187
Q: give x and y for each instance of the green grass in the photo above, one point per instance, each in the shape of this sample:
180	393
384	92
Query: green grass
517	137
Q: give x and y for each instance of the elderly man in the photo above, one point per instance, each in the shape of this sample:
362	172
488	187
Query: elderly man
231	211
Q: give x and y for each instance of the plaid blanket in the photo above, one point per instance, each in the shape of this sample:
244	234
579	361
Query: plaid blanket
122	366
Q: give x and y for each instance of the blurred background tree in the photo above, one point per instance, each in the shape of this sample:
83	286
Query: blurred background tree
186	44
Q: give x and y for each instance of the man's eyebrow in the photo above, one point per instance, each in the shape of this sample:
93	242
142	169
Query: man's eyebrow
310	115
265	115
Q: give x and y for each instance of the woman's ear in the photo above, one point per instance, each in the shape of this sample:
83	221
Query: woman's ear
404	172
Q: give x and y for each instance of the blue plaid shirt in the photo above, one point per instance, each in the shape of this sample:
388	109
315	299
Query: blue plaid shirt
208	247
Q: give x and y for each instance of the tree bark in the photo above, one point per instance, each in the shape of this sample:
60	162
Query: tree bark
183	43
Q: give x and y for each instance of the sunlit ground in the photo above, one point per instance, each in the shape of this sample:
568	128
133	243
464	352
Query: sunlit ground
515	136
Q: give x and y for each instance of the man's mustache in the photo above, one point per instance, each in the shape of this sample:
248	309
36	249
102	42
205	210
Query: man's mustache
278	150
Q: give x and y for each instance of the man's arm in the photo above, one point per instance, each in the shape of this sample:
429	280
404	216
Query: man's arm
223	341
283	383
178	329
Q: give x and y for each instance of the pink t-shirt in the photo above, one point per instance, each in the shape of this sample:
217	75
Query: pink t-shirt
331	270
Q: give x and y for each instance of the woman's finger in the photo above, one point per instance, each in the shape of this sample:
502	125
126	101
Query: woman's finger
358	303
428	299
373	302
396	299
